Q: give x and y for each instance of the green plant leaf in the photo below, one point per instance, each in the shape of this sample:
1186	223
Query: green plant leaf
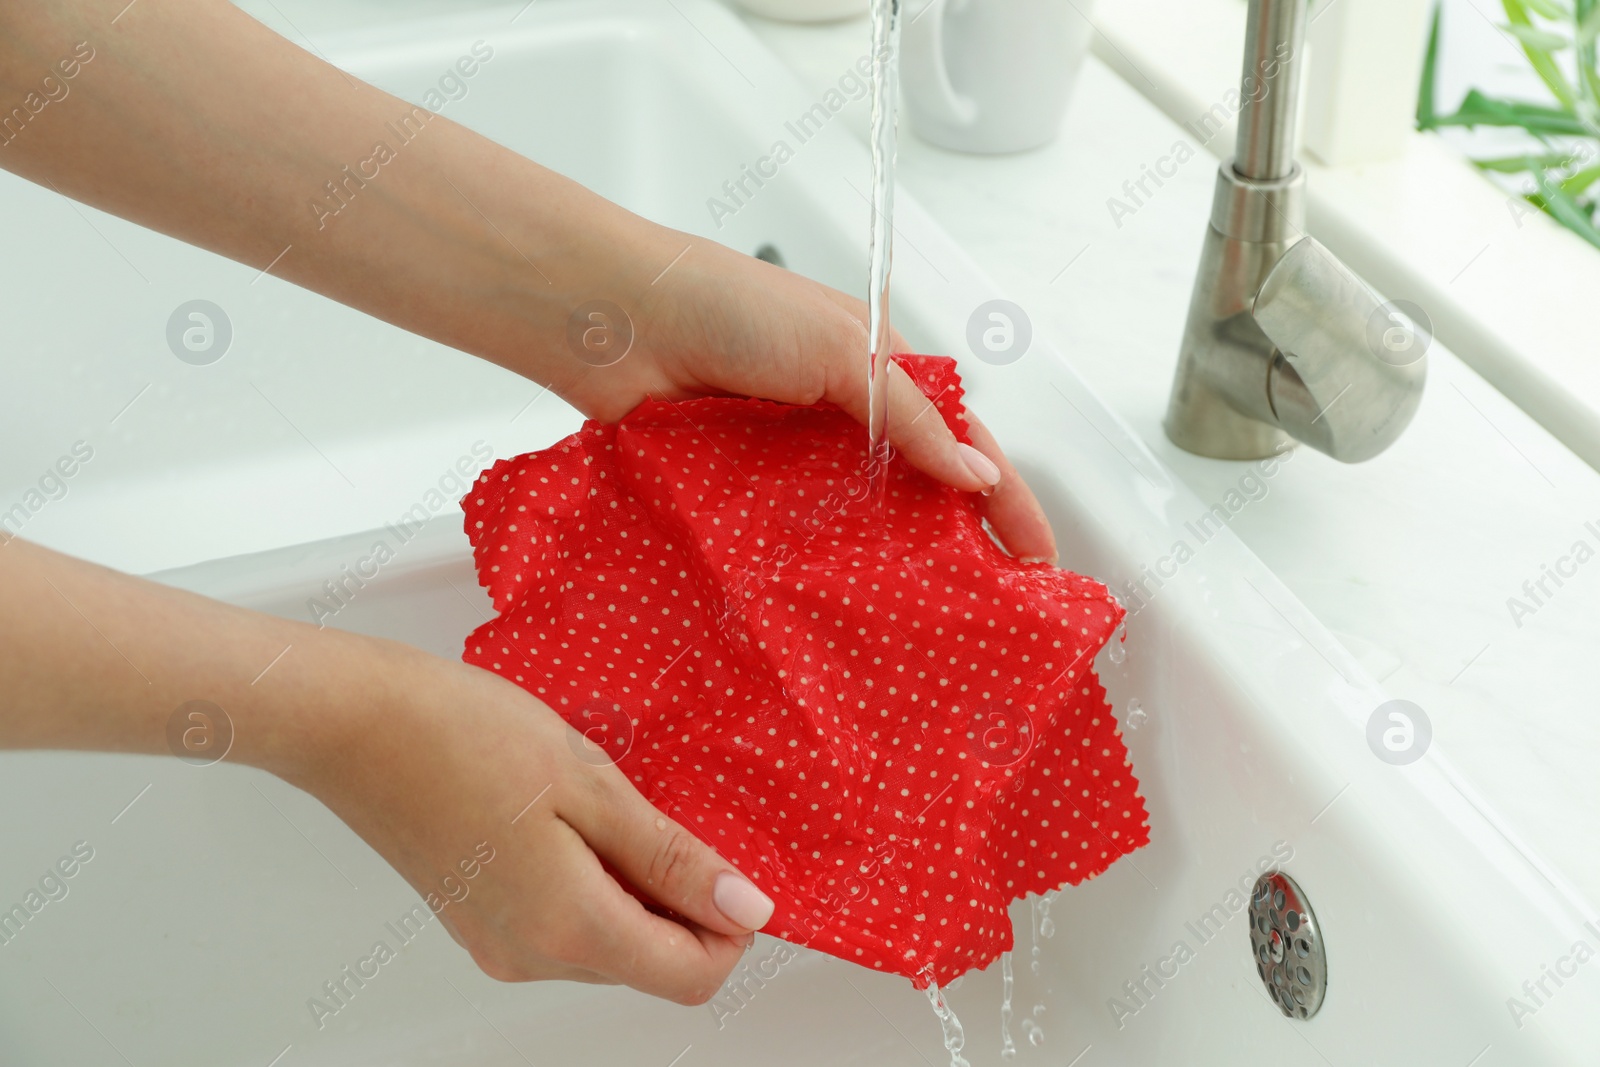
1566	210
1589	27
1577	183
1478	109
1430	64
1544	40
1544	63
1518	164
1586	24
1550	9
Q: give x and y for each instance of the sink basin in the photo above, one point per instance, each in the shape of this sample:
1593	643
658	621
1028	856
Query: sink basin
219	901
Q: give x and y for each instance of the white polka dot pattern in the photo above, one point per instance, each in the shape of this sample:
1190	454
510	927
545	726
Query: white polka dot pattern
894	729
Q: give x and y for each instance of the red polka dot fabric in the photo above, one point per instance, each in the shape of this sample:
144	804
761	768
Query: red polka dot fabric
889	725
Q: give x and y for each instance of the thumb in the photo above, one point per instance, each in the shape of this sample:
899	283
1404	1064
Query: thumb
663	861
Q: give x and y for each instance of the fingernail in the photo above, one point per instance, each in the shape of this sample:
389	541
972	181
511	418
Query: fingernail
980	465
1039	559
740	902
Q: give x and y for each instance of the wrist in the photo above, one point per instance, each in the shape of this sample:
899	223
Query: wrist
332	691
613	312
411	733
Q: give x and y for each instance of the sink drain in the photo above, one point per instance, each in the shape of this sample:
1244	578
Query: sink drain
1287	945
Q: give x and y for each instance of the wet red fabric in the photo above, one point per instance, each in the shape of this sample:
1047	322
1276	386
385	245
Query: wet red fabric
893	728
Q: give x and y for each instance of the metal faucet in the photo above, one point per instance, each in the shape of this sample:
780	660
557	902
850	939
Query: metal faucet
1284	342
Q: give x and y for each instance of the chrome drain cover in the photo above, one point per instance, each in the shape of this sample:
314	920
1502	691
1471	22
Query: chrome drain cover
1287	945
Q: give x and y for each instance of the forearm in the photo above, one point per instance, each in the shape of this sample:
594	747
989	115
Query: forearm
95	660
193	119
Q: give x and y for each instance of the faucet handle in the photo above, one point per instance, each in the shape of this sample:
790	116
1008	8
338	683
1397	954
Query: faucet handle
1348	373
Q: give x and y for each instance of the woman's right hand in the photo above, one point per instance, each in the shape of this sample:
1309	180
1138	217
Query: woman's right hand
457	758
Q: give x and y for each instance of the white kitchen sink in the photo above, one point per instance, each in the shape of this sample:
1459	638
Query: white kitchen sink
218	900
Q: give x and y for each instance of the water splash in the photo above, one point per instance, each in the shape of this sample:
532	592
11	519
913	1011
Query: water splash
1032	1029
1034	952
880	252
1008	1048
1044	927
1135	716
955	1038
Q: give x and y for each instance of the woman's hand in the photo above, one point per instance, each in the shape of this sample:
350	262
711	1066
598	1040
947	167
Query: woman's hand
459	763
434	763
720	322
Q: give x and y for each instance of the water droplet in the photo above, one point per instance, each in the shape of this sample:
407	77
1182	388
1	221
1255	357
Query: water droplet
1034	1031
1047	925
1119	645
1135	716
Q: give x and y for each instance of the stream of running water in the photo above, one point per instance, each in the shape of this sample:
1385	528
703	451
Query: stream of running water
880	250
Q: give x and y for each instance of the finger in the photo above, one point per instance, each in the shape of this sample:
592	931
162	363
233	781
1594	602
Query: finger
616	936
1012	510
662	860
919	433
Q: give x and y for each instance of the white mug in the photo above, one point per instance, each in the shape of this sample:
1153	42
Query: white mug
991	75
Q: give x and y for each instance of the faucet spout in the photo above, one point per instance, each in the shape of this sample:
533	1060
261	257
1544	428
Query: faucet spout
1339	379
1284	343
